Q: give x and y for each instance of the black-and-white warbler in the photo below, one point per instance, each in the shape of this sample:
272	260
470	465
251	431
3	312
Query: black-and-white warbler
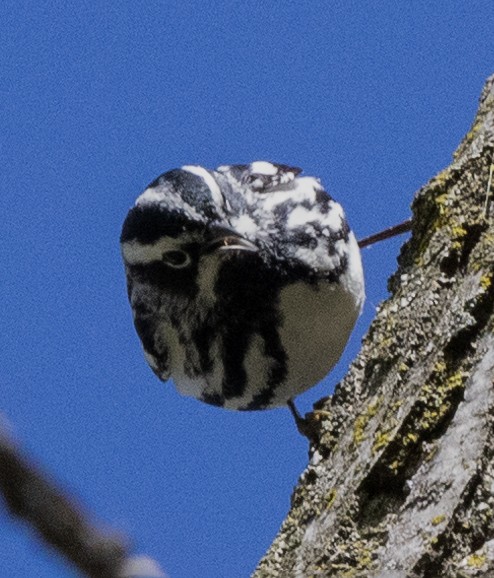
245	282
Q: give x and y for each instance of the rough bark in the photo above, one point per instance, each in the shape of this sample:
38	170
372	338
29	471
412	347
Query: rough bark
401	480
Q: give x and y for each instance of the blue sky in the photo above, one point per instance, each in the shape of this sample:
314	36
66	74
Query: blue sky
96	100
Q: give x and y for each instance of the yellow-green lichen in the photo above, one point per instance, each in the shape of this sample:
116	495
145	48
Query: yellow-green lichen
441	179
384	434
365	559
457	233
430	453
330	498
458	230
445	214
435	402
476	560
438	520
410	438
395	465
455	381
361	555
437	397
486	281
363	419
472	133
381	439
403	367
395	406
440	367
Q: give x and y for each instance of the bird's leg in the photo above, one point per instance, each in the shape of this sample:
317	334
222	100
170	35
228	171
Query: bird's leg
308	426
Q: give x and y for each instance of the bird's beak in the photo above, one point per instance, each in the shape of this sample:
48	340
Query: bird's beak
230	242
238	243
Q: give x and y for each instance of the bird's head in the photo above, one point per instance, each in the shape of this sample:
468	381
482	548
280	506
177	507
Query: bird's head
190	222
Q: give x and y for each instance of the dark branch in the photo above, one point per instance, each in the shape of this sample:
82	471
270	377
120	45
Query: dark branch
386	234
30	496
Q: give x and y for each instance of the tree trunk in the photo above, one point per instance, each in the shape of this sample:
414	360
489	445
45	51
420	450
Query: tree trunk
401	480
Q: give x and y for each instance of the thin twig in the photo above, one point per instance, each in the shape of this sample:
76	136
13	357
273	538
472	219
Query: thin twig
386	234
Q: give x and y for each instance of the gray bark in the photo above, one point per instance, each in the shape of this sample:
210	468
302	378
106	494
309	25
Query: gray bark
400	482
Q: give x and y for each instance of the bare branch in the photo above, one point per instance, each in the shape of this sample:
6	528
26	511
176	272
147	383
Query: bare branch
31	497
386	234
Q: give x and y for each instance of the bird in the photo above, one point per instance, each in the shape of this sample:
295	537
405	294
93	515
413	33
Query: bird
245	282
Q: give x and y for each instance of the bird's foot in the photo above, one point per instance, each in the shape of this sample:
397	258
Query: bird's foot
310	425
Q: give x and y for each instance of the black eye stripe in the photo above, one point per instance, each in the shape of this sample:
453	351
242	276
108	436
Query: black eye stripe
158	275
244	281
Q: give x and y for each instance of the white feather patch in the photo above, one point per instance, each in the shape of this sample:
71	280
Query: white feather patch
210	182
263	168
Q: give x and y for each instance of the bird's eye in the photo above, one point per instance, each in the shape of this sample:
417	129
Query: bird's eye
177	259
